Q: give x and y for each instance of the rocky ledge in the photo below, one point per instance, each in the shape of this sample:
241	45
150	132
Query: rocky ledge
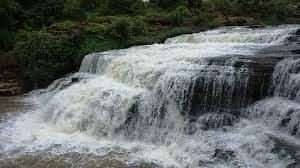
234	82
9	86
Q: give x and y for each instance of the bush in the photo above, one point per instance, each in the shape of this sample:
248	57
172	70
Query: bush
162	36
120	30
270	8
124	6
137	7
165	3
194	3
72	10
179	14
9	11
91	4
44	13
6	39
91	45
43	56
139	26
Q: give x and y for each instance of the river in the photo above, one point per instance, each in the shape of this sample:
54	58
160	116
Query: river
215	99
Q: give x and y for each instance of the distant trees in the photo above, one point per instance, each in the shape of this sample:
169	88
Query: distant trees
9	13
124	6
90	4
58	33
165	3
179	14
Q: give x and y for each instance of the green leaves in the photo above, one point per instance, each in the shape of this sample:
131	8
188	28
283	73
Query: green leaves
39	53
179	14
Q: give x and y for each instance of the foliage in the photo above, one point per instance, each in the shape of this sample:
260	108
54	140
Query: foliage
6	39
44	13
120	30
179	14
90	4
194	3
43	56
90	45
54	35
9	11
165	3
138	26
72	10
124	6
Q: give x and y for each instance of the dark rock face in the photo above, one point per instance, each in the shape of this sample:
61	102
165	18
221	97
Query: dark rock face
230	83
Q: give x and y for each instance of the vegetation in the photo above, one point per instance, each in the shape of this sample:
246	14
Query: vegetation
50	37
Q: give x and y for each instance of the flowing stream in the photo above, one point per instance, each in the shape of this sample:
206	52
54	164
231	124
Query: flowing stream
186	103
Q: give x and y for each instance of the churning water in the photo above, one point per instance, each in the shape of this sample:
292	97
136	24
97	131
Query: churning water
180	104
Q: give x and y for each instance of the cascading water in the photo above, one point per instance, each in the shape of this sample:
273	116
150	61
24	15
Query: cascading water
179	104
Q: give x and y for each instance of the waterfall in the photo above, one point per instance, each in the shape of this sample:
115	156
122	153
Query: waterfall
286	79
200	100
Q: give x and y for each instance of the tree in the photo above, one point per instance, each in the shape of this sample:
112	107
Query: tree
194	3
90	4
120	30
124	6
179	14
72	10
165	3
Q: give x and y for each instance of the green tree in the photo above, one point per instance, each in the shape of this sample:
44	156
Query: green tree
124	6
72	10
165	3
44	57
120	30
139	26
91	4
9	20
179	14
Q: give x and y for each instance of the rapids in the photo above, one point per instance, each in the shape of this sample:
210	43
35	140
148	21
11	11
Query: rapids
187	103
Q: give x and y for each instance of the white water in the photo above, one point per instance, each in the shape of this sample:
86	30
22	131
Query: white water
135	105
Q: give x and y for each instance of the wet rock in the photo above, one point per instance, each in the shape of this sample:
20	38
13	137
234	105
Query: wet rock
75	79
216	120
285	149
224	155
295	51
256	26
231	83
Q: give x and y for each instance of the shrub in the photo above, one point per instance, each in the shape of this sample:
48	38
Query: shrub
90	45
6	39
194	3
44	57
72	10
139	26
179	14
124	6
44	13
165	3
137	7
162	36
90	4
9	11
120	30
